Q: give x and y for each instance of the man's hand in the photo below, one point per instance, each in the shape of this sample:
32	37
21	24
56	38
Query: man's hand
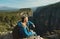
32	31
33	25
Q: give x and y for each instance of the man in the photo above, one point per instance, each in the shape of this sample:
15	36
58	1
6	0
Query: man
24	30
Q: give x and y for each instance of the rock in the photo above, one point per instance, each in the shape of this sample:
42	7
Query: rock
46	18
6	35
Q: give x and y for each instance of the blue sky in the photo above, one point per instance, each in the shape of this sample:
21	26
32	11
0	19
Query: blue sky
26	3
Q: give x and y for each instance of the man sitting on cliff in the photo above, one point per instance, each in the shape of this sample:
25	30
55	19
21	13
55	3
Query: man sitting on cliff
24	27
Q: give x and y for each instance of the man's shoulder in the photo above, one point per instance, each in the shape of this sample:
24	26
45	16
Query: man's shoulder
19	22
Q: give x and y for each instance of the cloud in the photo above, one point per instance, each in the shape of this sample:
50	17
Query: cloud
43	2
33	3
26	3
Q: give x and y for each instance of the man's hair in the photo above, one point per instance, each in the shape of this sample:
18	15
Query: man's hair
23	16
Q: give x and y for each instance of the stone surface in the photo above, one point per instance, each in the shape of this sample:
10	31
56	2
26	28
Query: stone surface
6	35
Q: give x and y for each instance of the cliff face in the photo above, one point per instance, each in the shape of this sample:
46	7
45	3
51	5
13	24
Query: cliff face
47	18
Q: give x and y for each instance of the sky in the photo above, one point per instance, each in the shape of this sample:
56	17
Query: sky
26	3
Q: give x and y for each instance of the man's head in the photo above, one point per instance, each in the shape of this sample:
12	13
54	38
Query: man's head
24	18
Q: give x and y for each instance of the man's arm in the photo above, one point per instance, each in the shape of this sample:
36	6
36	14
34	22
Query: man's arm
28	33
31	23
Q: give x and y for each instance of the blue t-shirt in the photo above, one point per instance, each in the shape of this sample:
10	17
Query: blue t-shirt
24	30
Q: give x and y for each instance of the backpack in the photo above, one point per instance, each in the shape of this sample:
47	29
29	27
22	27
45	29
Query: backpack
15	32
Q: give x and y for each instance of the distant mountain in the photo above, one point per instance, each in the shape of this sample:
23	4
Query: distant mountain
7	8
34	9
3	8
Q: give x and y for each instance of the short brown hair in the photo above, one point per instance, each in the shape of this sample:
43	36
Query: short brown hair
23	16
